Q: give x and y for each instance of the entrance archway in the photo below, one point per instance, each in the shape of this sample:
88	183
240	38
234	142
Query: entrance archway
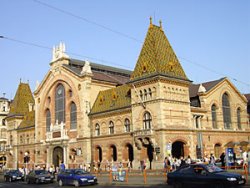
2	160
113	153
58	156
98	154
217	150
178	149
129	153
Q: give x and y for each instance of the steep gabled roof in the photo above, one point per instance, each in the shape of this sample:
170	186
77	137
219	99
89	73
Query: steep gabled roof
193	88
112	99
20	106
157	57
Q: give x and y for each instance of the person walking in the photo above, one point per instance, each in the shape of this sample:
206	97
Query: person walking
212	159
222	159
62	166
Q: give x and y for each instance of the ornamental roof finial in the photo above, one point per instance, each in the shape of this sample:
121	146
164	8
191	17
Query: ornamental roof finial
151	24
160	24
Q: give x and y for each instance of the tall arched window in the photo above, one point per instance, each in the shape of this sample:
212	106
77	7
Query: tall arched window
145	94
226	111
127	125
111	127
238	118
214	116
73	116
48	120
150	93
97	129
141	95
147	120
60	103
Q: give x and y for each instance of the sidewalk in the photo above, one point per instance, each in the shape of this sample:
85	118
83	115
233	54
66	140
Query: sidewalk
138	180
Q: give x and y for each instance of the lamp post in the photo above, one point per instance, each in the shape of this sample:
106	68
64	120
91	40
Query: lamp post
26	160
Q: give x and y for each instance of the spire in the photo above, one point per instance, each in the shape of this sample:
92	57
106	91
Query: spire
151	24
157	57
160	25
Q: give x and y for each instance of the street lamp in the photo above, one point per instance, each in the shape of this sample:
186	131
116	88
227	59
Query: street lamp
26	160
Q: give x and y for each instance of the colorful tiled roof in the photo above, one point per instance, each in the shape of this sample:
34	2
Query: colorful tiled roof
157	57
20	105
112	99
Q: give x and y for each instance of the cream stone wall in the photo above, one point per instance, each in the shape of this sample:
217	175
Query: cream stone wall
84	91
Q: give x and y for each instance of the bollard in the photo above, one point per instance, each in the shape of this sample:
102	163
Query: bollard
144	176
127	175
110	176
246	171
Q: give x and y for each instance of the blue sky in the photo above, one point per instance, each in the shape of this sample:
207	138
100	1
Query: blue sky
211	38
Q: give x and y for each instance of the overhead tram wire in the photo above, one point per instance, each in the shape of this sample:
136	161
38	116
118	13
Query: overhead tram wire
88	21
116	64
215	72
68	52
129	37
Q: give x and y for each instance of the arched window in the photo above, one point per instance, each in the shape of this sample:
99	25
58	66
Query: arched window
145	94
141	95
226	111
214	116
21	139
48	120
73	116
150	93
147	120
97	129
60	103
11	140
127	125
238	118
111	127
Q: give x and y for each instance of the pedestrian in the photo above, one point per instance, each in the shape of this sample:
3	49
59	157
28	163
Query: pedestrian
188	160
62	166
211	159
245	158
222	159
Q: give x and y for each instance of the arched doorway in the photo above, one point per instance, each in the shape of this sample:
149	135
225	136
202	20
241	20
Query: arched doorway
98	156
130	152
58	156
2	161
147	151
217	150
178	149
113	153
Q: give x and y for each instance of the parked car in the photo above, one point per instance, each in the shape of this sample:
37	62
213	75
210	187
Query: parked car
202	175
75	177
39	176
13	175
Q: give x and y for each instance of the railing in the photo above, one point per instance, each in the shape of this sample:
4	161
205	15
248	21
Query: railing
57	132
143	132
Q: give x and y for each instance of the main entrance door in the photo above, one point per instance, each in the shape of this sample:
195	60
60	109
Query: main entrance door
57	156
178	149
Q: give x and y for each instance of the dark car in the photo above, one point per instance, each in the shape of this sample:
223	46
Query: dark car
13	175
39	176
201	175
75	177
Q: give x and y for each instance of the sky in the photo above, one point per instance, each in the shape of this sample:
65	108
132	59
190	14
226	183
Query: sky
211	38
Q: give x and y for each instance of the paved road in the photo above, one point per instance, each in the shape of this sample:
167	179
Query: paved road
55	185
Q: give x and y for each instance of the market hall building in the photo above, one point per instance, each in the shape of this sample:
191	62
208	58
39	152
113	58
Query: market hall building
84	113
